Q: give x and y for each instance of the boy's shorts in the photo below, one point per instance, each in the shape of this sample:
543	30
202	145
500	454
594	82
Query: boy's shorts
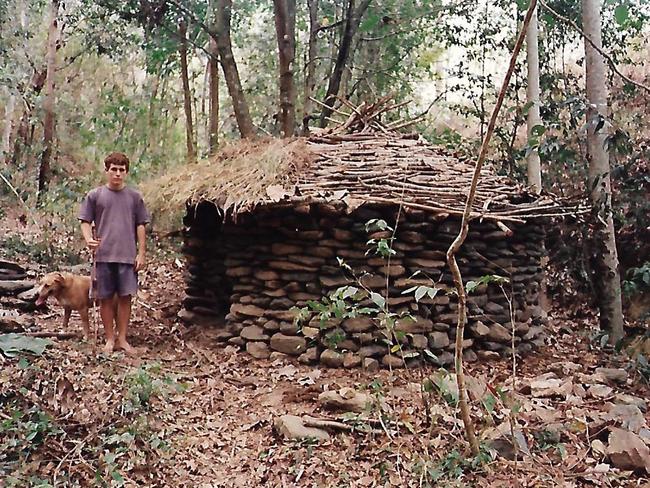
112	278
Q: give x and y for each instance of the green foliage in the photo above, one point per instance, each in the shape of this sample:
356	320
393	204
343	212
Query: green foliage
40	250
637	280
451	467
144	385
23	431
472	285
13	345
123	448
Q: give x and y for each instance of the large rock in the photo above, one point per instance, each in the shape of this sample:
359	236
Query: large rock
310	356
287	315
616	375
479	329
626	450
345	399
370	364
373	281
331	358
498	333
246	310
351	360
392	361
362	323
419	341
293	345
259	350
266	275
192	317
292	427
254	333
438	340
416	325
372	350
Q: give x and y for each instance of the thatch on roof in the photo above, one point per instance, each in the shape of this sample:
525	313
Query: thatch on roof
361	160
236	179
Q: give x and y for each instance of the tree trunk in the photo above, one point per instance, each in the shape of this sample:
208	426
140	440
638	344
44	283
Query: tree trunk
187	94
353	19
230	71
285	27
48	101
213	97
24	132
8	128
606	257
310	75
532	98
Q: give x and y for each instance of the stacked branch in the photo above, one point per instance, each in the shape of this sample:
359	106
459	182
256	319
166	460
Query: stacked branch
366	118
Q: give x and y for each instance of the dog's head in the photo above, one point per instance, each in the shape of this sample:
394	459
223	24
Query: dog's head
50	284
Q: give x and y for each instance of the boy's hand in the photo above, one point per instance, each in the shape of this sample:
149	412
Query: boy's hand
92	245
139	262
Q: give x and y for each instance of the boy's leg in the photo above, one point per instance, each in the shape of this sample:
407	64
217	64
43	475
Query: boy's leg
127	287
107	312
123	316
107	287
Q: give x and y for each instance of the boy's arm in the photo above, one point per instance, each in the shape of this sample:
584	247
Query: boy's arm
87	231
140	257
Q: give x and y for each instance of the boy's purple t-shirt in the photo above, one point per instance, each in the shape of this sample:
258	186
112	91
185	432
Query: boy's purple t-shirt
116	213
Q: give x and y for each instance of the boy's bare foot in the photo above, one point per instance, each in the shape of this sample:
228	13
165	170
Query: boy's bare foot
127	348
108	348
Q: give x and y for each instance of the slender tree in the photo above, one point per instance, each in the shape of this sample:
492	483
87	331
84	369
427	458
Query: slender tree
533	118
8	127
48	101
213	97
285	28
354	15
230	71
605	254
310	65
187	93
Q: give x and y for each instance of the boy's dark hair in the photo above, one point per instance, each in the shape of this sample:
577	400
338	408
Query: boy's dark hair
116	158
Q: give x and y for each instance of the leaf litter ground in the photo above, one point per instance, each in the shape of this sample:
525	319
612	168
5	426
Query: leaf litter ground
193	412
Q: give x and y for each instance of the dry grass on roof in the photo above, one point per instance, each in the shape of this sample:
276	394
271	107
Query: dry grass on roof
236	179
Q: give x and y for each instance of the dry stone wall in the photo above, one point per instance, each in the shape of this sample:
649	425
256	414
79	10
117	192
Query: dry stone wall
257	270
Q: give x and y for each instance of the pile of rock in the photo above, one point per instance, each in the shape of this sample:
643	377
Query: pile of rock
259	270
17	296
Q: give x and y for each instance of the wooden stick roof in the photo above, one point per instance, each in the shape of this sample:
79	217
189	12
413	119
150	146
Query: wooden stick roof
360	161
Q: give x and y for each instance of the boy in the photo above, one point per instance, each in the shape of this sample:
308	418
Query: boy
120	216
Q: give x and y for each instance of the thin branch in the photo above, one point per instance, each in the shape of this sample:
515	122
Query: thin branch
462	235
331	26
609	59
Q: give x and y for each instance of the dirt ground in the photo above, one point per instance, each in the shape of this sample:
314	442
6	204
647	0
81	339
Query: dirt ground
192	412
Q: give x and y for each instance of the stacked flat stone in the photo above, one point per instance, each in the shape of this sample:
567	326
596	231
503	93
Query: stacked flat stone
17	295
262	267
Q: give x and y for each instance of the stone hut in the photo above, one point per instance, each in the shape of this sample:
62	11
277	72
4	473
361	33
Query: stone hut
334	252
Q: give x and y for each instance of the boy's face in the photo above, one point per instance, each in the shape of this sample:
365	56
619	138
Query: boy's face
116	176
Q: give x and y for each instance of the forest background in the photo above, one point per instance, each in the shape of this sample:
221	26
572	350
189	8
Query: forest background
172	82
168	82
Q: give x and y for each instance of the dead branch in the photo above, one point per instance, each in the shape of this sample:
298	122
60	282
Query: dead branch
588	39
462	235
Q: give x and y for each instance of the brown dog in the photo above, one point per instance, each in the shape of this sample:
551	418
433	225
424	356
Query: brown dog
71	291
